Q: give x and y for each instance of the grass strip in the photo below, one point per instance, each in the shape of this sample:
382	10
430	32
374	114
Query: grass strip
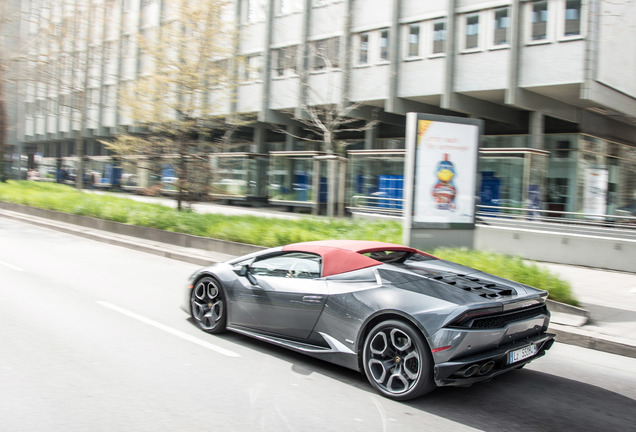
266	231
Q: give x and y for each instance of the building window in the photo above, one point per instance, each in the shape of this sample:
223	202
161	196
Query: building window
128	47
572	18
439	36
501	26
325	53
219	70
363	49
110	96
255	11
65	104
252	68
539	20
285	60
472	31
414	40
51	106
93	97
285	6
384	45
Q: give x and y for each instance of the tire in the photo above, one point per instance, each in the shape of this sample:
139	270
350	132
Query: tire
397	361
208	305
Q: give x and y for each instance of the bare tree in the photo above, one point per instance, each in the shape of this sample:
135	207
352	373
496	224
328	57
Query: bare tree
184	84
3	129
328	123
6	10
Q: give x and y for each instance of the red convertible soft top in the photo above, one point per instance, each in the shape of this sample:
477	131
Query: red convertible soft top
342	256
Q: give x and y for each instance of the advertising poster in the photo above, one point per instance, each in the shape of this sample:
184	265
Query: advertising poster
445	172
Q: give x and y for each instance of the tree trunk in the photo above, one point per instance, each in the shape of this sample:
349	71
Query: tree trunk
3	133
182	174
79	150
331	186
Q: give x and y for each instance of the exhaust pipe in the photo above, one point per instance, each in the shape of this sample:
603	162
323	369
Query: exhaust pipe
486	367
471	370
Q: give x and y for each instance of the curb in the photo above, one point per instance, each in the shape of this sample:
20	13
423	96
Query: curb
585	339
111	233
567	314
195	244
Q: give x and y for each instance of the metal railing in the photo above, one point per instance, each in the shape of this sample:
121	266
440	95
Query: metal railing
555	216
394	207
377	205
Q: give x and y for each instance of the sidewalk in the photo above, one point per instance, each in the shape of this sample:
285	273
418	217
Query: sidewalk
606	321
609	298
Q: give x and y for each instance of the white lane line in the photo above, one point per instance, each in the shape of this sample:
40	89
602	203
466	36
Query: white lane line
170	330
11	266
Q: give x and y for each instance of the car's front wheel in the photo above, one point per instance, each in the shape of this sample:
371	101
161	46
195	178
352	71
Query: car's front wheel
207	305
397	361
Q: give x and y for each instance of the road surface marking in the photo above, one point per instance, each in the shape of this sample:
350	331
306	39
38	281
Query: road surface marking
11	266
170	330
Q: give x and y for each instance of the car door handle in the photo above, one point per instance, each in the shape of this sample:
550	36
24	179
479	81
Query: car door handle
312	298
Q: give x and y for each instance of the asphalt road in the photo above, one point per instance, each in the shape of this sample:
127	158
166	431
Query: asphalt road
92	339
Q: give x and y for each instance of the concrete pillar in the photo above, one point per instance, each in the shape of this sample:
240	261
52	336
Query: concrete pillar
292	132
258	141
537	121
260	146
370	137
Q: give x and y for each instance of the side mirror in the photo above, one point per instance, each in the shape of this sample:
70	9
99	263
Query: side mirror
245	272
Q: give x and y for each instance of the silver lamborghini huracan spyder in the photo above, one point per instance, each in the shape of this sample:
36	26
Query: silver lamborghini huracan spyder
408	320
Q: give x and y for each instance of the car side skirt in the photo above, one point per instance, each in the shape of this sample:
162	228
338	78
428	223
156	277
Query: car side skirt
334	352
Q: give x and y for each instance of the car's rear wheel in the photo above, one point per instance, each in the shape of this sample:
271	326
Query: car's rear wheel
207	305
397	361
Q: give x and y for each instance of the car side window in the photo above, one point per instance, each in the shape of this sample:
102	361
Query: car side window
289	265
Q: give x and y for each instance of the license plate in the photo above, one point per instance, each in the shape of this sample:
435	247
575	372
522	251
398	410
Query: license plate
522	354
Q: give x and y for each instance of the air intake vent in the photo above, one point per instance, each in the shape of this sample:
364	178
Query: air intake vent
483	288
501	320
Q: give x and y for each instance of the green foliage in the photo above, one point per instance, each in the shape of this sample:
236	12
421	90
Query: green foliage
513	268
266	231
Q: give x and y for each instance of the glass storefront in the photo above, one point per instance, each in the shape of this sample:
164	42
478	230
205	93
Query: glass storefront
376	180
512	177
294	176
238	175
573	173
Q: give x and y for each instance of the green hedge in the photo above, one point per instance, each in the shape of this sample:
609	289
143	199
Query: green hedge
264	231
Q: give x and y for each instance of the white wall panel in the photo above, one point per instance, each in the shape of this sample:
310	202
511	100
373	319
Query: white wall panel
487	70
370	83
617	46
249	97
372	14
552	64
284	93
422	77
324	88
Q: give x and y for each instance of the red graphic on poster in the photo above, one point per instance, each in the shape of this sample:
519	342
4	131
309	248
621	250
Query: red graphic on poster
444	191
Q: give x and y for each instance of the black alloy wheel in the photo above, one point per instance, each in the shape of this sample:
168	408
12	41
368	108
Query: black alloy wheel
207	305
397	361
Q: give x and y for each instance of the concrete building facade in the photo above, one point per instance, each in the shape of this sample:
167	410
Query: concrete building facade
552	79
